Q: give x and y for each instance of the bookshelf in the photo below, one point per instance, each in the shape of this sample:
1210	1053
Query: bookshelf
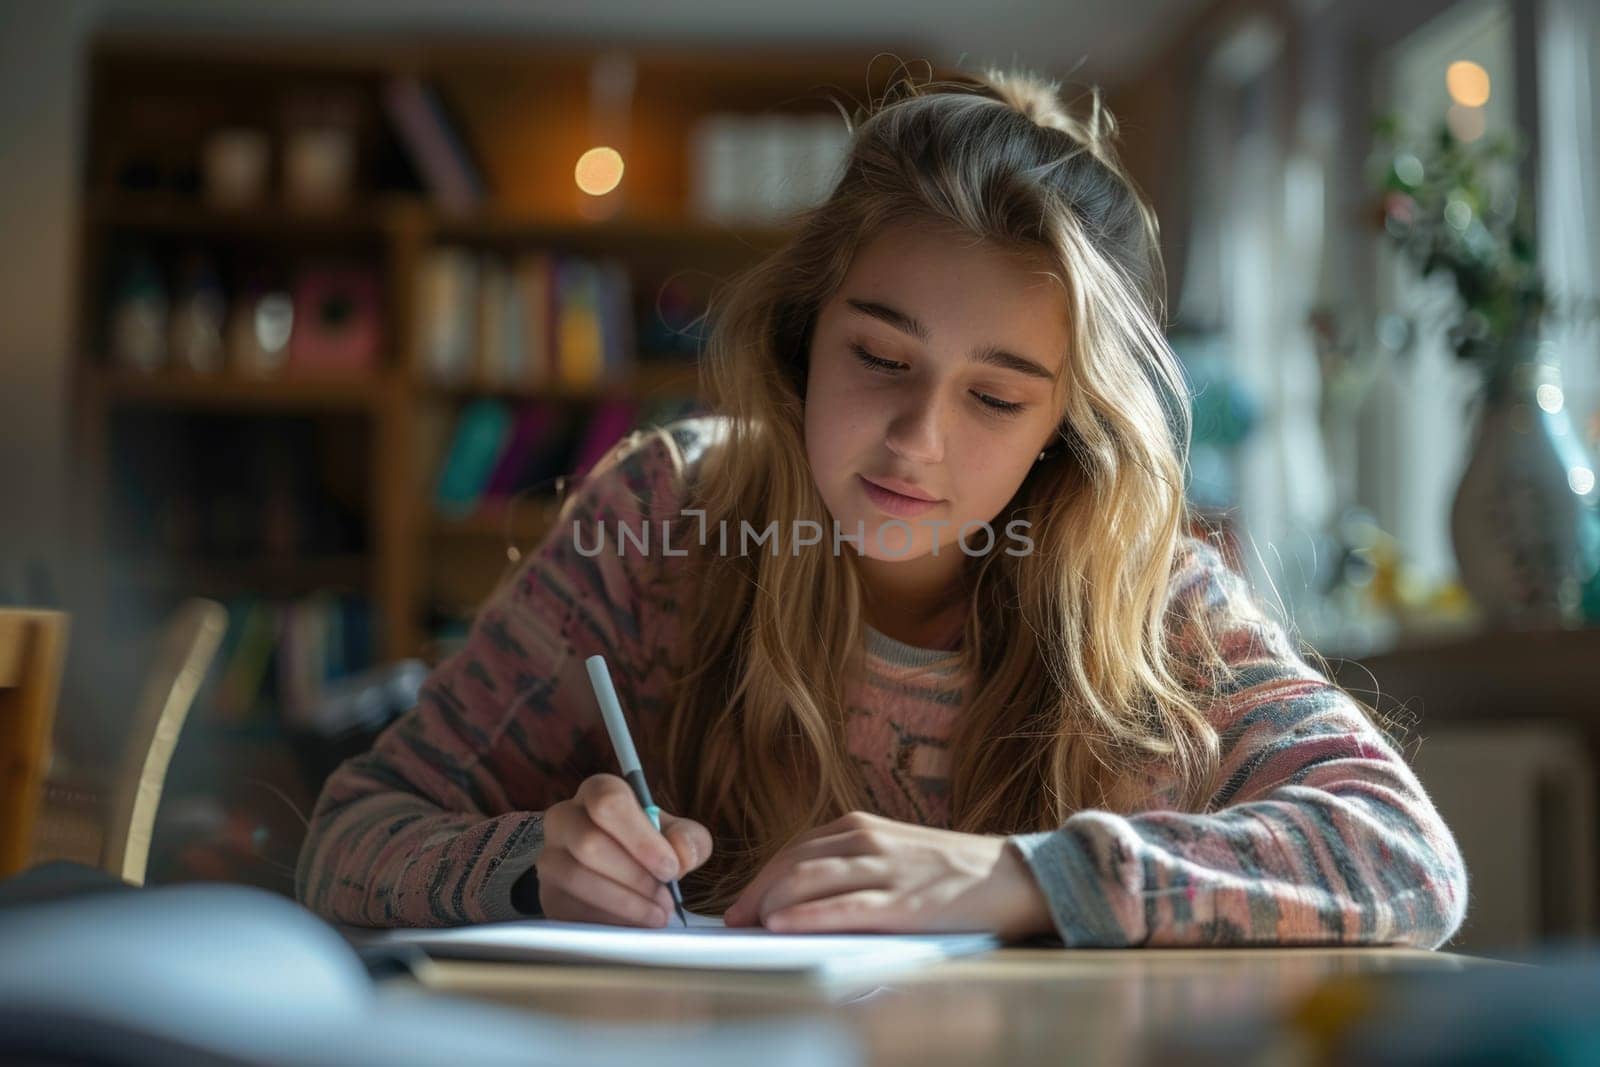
524	107
394	398
315	481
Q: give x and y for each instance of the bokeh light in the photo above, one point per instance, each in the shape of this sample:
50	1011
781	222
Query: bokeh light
599	170
1468	83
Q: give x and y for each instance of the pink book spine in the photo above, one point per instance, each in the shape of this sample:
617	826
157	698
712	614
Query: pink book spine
611	420
527	435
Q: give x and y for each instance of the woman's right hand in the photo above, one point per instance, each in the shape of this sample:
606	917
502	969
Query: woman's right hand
603	862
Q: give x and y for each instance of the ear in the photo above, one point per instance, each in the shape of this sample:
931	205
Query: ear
1055	444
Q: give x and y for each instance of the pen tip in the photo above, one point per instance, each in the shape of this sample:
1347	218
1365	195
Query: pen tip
681	916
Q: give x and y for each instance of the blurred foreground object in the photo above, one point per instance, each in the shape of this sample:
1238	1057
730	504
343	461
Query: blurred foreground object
1499	1014
219	974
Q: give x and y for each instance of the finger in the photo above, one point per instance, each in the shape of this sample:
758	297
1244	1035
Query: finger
742	912
613	807
559	904
597	850
848	842
852	821
818	879
611	901
689	839
861	911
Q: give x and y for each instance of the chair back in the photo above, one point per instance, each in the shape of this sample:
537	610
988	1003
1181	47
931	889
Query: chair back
32	647
187	646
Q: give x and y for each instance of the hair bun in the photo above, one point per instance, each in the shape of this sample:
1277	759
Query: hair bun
1025	91
1039	98
1032	94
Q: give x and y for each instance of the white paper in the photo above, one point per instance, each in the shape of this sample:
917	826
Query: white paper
706	944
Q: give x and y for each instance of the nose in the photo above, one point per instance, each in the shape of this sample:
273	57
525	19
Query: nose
916	433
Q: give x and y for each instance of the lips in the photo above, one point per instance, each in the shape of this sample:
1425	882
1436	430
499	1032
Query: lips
896	503
906	489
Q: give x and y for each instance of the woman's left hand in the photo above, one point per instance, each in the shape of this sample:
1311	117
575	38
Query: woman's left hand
867	873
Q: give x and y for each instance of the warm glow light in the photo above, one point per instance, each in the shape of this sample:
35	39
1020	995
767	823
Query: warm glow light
1468	83
598	170
1549	397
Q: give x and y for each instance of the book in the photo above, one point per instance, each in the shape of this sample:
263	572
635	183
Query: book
616	319
511	336
499	352
533	288
706	944
437	149
528	434
552	459
448	313
243	676
580	356
480	434
611	421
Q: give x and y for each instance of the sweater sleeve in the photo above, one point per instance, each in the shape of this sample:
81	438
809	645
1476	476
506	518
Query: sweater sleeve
1319	832
436	823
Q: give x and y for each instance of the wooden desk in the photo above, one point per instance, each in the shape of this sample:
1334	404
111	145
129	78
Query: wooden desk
1015	1006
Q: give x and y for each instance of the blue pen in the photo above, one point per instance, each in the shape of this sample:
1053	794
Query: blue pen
622	741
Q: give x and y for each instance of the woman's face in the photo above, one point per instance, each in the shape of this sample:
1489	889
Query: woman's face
931	376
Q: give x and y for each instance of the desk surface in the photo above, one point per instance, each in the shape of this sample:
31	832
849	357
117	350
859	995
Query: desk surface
1014	1006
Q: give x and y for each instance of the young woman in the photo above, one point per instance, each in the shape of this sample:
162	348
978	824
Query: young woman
910	629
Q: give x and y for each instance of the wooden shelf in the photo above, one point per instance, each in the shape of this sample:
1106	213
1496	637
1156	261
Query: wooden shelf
528	516
154	213
621	235
387	214
267	576
233	392
647	379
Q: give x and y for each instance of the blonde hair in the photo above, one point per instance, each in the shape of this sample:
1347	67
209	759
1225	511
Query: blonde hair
1079	690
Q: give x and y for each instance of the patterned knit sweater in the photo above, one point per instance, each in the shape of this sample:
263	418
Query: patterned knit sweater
1318	833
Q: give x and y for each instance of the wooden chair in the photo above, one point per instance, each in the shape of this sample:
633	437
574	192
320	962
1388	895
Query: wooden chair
110	822
32	647
187	647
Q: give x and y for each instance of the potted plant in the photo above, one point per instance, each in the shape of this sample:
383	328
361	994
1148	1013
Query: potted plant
1524	523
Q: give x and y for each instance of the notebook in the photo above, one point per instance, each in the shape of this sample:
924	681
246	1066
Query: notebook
705	945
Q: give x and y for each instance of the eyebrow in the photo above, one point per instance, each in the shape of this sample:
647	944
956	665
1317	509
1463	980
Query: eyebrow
987	354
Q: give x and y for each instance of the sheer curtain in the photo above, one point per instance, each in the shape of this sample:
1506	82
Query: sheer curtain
1569	188
1418	420
1253	272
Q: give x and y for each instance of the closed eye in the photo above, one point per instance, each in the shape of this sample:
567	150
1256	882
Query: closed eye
873	361
884	366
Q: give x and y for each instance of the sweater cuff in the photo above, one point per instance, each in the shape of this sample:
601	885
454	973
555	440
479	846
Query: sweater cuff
495	899
1062	863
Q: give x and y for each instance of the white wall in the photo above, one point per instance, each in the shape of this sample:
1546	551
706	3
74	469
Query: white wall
39	94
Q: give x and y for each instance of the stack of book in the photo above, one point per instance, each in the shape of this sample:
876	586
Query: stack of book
278	654
500	449
535	320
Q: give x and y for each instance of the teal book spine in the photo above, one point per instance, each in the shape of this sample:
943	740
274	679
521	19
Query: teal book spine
480	435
